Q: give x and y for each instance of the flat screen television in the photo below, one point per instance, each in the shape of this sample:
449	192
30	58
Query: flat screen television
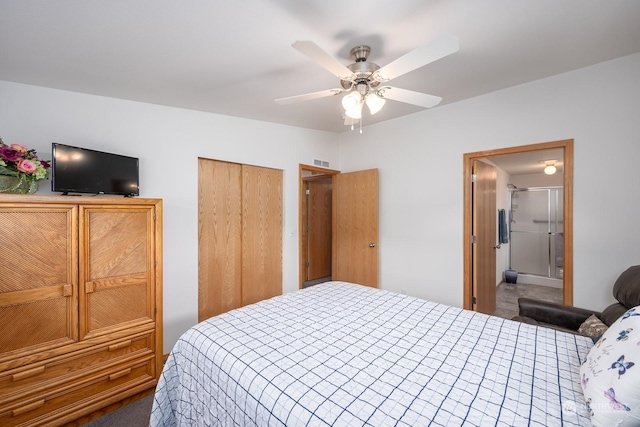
81	170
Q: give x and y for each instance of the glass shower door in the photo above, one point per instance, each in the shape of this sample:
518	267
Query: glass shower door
536	233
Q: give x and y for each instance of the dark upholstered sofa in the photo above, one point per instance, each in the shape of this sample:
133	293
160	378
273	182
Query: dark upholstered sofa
626	291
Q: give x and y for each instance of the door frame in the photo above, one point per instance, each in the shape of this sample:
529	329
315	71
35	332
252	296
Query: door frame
301	197
468	158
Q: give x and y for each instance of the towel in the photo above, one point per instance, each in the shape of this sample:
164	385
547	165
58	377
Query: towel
503	232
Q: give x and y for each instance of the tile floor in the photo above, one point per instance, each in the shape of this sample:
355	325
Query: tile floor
507	295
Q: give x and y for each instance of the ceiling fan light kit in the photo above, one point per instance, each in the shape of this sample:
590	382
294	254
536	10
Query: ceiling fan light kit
350	100
375	103
361	79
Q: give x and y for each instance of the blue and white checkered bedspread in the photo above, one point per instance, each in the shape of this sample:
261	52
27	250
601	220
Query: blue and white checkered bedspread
348	355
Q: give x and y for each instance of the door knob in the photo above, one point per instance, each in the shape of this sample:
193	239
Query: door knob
372	245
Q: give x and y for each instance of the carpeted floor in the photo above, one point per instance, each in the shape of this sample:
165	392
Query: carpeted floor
135	414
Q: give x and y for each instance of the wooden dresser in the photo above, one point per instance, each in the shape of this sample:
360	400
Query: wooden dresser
80	304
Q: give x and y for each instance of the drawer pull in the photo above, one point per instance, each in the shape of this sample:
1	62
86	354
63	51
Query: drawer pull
120	345
27	408
119	374
28	373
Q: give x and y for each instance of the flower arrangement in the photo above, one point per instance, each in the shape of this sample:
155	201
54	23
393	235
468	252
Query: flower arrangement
22	163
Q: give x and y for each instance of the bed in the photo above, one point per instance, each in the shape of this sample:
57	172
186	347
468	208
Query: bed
347	355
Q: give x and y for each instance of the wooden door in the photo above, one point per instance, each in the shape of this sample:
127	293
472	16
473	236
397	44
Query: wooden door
38	277
261	233
484	232
318	229
117	268
219	237
355	227
239	235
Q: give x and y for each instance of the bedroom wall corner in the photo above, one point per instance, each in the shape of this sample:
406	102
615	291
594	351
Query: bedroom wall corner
420	162
168	142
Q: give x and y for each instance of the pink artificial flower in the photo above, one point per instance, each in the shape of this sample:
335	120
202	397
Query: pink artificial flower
9	154
19	147
26	166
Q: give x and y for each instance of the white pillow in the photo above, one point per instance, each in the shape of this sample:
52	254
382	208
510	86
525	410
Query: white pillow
611	374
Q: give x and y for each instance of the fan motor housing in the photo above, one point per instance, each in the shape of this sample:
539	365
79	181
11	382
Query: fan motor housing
361	68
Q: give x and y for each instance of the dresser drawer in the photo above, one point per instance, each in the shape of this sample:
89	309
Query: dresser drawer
74	396
21	382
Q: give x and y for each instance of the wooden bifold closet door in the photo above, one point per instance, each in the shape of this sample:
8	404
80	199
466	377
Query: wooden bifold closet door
239	235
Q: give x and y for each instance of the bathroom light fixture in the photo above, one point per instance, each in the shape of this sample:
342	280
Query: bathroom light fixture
550	167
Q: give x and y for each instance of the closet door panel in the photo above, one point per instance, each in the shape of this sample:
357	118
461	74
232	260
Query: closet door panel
38	277
219	237
261	233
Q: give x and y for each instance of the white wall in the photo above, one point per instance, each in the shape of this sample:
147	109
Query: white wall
168	142
420	158
420	162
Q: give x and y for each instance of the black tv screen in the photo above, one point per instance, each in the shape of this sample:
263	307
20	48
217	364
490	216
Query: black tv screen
81	170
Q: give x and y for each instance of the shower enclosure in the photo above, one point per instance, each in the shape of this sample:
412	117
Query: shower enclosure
536	233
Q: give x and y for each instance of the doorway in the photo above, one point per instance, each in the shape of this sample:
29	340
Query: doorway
315	224
472	288
354	225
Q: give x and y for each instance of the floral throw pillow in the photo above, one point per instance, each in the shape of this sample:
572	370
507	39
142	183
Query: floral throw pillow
592	327
611	374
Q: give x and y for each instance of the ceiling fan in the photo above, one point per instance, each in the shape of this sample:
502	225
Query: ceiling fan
365	82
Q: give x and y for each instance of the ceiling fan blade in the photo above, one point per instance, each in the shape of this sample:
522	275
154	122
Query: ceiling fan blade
308	96
440	47
410	97
323	59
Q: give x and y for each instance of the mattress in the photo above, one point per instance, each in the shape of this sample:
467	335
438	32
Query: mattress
347	355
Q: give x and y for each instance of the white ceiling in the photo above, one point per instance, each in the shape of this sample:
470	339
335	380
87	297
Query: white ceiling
235	57
529	162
